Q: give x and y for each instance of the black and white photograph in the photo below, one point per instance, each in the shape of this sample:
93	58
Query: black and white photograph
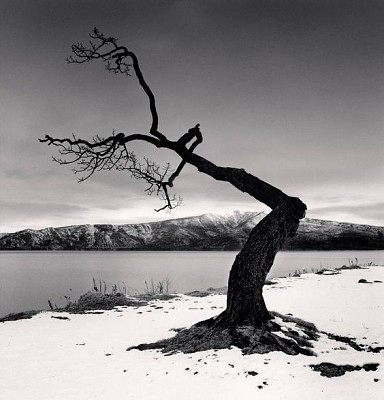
192	199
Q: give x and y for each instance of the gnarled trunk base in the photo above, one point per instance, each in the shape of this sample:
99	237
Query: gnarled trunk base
206	335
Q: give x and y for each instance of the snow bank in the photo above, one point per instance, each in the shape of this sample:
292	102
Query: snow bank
85	357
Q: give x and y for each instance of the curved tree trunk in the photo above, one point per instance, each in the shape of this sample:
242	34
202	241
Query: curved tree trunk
246	321
245	302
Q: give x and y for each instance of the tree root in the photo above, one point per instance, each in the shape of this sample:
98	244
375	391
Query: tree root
293	338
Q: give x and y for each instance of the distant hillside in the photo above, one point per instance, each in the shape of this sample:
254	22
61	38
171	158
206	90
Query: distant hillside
204	232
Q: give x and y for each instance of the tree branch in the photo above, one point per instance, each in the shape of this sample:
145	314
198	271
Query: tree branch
186	138
115	57
112	153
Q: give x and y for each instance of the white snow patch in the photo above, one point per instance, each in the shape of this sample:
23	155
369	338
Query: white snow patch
85	357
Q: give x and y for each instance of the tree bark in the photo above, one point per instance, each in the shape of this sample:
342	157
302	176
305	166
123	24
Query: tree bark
245	302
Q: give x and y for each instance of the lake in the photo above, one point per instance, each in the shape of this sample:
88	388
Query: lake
28	279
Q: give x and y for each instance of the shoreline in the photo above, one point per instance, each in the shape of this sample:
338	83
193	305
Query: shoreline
77	356
140	250
26	314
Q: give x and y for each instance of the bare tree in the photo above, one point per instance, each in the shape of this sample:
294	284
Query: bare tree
245	303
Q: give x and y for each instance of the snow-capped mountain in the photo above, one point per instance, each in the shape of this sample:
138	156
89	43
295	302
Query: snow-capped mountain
204	232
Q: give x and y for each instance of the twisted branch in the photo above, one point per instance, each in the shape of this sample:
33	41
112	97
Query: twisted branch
115	58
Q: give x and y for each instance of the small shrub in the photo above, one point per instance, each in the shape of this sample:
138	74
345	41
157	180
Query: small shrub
100	301
161	287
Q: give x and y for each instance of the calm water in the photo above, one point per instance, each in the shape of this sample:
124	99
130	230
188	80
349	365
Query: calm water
29	279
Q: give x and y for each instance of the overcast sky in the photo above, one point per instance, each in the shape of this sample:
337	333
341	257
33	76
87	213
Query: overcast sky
292	91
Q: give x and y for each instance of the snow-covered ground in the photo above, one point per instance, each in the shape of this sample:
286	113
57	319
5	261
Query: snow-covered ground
85	357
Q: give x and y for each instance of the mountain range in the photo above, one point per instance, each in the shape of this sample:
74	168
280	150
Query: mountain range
204	232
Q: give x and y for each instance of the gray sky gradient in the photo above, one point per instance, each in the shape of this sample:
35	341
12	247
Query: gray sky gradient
292	91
